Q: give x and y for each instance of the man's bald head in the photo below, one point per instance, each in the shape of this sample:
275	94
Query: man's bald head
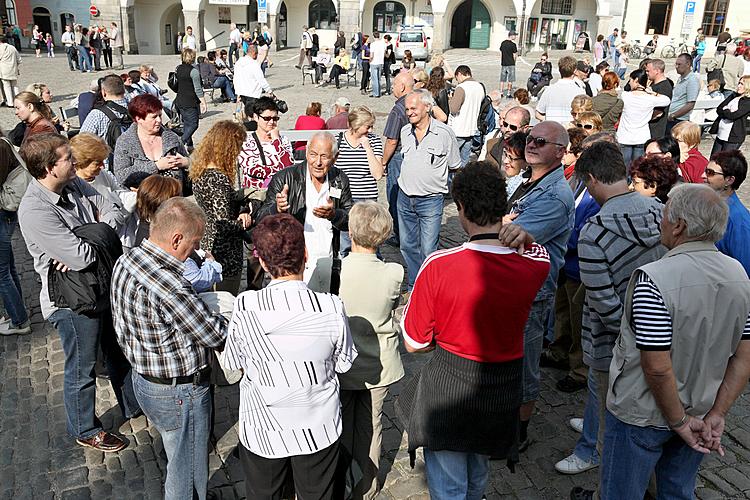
517	119
403	84
546	146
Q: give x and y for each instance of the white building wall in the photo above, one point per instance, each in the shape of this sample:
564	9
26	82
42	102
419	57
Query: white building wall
148	25
212	27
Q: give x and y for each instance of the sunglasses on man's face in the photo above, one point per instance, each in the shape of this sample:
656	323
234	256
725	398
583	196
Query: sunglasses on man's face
507	125
540	142
710	172
270	118
586	126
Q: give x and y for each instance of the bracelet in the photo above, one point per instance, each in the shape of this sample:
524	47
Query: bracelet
679	424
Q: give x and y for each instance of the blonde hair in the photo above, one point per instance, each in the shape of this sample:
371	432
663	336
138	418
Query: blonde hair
687	132
360	116
581	103
370	224
219	148
420	76
88	148
36	88
187	56
593	118
746	82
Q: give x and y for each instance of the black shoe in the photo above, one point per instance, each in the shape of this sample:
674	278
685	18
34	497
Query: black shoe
578	493
547	361
298	66
569	384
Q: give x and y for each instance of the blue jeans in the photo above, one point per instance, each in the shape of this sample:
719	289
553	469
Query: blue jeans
419	220
630	153
586	446
452	475
391	188
190	117
182	415
84	59
632	454
80	337
375	71
223	83
10	286
464	148
697	63
533	335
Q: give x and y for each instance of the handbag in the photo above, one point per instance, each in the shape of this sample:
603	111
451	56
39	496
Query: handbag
172	81
15	184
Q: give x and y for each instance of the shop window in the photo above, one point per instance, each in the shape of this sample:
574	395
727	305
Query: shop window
557	7
388	16
659	13
715	17
322	15
10	11
66	19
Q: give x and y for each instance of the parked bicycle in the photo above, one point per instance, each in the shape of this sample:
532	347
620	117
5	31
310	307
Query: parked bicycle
636	51
670	51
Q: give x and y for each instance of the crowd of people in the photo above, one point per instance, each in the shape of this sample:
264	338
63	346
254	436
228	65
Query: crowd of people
599	236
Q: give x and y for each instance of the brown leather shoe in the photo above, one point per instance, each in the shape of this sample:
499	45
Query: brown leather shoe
103	441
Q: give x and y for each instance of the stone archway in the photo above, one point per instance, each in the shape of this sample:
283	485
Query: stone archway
172	23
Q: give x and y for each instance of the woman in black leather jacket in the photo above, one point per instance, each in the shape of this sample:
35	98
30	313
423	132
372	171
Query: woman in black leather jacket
540	77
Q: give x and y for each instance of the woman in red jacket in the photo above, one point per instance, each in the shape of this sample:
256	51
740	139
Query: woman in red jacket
692	162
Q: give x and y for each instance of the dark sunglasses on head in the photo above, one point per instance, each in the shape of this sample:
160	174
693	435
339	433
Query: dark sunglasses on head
540	142
587	126
514	128
270	118
710	172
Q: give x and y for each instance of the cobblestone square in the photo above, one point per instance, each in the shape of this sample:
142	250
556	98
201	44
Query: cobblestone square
39	460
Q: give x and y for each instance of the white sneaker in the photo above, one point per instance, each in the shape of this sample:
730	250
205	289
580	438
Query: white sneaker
576	424
9	329
573	465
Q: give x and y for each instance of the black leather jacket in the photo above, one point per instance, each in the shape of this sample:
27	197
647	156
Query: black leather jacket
295	177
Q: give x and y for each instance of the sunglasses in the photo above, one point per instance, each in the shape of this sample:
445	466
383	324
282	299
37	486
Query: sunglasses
587	126
271	118
540	142
514	128
710	172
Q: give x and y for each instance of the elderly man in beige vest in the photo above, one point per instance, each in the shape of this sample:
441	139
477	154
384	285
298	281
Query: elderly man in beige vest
683	355
9	61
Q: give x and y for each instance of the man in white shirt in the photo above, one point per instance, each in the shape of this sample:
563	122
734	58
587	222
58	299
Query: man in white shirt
235	41
249	82
377	57
305	44
115	40
554	105
464	107
188	41
70	48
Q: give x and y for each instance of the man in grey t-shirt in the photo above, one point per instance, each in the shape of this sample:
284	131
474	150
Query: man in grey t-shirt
430	150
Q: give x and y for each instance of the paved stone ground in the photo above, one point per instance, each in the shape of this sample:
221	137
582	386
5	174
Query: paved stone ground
38	459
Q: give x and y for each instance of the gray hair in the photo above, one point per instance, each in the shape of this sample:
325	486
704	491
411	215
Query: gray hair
328	137
702	209
177	215
425	96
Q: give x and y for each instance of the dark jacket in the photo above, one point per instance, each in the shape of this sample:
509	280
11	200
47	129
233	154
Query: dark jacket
87	291
208	73
737	134
186	96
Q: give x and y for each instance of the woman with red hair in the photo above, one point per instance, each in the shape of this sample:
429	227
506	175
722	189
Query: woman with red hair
147	147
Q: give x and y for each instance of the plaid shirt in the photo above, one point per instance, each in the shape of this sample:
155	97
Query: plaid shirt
97	122
164	328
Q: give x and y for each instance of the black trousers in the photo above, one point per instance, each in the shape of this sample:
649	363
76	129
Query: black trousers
314	475
365	75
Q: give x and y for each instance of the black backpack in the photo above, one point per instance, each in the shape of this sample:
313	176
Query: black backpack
485	111
117	124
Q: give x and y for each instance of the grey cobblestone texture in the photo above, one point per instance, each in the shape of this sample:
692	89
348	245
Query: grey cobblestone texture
38	460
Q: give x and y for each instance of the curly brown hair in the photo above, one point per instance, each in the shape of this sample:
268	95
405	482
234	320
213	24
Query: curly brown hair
219	149
656	170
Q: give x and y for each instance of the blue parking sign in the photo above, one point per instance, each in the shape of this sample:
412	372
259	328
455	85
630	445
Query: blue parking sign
689	8
262	4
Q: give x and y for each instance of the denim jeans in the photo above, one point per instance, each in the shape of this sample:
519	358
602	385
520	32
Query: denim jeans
632	454
223	83
387	72
190	117
464	149
375	71
630	153
533	335
10	286
419	220
452	475
697	63
391	188
586	446
182	415
80	336
233	52
84	59
720	145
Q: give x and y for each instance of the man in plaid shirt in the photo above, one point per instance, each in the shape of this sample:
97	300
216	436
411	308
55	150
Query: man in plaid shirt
167	332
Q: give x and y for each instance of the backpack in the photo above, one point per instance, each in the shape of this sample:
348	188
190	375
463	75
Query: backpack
15	184
117	124
486	118
267	36
172	81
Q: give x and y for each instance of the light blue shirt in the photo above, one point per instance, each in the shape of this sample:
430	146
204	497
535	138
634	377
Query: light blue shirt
204	277
685	90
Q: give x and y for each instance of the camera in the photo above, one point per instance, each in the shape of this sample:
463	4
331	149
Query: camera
281	105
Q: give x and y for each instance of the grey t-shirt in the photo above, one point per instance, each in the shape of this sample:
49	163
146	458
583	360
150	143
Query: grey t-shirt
424	170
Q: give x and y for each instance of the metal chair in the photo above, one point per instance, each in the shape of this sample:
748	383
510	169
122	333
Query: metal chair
308	71
352	74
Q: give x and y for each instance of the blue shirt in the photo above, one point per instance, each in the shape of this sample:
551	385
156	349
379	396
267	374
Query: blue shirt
586	206
396	120
547	212
685	90
736	237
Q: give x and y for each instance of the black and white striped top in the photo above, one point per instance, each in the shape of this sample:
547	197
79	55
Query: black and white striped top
651	320
290	342
353	161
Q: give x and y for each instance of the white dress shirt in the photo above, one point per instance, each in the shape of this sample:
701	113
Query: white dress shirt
318	238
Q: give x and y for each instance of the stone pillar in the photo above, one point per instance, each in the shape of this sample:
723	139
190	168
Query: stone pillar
130	41
271	23
438	33
349	18
192	19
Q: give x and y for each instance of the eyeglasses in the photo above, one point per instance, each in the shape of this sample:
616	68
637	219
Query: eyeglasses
271	118
540	142
710	172
508	158
587	126
514	128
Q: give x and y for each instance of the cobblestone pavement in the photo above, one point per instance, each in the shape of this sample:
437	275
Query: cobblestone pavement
38	459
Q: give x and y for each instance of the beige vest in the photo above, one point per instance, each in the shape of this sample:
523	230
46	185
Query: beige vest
707	295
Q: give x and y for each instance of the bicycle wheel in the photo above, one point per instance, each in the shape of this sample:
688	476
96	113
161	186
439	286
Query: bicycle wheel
635	52
667	52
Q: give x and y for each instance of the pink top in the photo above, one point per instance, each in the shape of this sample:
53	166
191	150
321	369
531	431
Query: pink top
308	122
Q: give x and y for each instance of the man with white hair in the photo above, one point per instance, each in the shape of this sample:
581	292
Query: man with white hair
682	357
340	118
732	68
235	42
430	150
